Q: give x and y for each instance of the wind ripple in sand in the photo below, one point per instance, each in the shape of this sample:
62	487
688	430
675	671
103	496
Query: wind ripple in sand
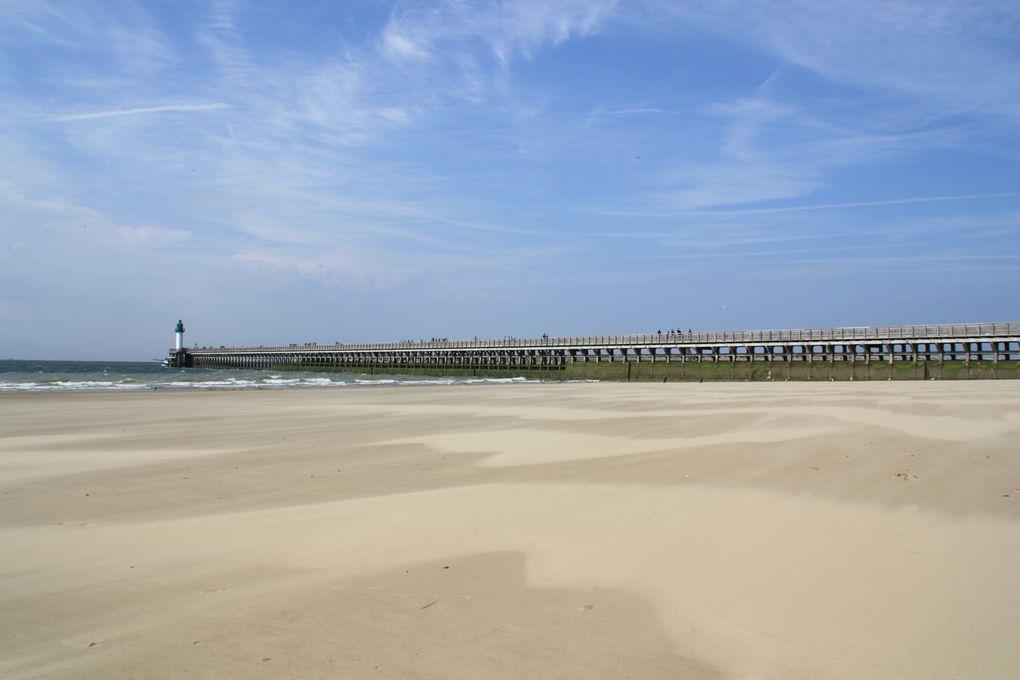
754	582
537	447
946	427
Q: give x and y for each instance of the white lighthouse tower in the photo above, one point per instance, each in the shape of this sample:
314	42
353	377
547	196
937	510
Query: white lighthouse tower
180	335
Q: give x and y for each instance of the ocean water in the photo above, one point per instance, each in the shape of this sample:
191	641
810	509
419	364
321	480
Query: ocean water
124	376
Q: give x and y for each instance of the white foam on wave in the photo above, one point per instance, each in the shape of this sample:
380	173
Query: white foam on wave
18	387
219	382
277	381
321	381
69	386
499	381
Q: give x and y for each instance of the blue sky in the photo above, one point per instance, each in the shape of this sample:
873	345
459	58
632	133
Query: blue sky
277	172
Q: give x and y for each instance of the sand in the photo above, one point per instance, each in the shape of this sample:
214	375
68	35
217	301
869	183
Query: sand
794	531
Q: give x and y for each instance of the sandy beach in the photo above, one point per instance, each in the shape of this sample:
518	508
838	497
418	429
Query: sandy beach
794	531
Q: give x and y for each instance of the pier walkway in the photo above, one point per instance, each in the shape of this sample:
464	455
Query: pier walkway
981	343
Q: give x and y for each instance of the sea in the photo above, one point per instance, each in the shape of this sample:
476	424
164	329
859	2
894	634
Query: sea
129	376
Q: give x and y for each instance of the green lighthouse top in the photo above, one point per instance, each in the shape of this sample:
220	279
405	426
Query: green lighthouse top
180	326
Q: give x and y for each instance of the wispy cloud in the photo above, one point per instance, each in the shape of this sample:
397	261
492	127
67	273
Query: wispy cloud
770	150
508	29
30	220
954	55
822	206
116	113
870	204
148	235
921	66
124	31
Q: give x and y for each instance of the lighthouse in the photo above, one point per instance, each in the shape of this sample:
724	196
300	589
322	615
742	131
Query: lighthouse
180	335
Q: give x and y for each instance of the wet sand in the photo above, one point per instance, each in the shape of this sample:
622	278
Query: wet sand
794	531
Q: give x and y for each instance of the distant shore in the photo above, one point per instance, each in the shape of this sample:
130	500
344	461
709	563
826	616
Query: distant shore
601	530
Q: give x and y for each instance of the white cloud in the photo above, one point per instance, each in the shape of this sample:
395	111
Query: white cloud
508	29
52	226
954	55
868	204
166	108
146	235
334	267
123	31
770	150
397	45
225	44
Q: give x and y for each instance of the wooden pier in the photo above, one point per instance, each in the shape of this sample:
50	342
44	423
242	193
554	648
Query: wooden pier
987	348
